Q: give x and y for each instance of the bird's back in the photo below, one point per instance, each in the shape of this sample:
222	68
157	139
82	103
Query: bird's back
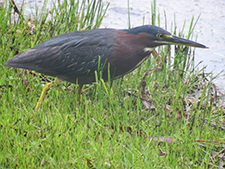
68	56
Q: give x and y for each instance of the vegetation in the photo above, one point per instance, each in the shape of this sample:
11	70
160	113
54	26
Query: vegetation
165	114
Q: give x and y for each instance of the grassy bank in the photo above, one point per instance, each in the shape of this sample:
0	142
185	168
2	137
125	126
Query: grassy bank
165	114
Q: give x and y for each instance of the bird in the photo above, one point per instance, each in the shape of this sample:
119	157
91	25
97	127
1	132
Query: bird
76	56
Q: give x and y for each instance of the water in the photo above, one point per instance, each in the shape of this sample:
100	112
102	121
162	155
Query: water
210	29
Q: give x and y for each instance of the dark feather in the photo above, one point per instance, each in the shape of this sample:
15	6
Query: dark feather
68	56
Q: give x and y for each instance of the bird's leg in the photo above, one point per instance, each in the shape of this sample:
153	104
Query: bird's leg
79	91
44	91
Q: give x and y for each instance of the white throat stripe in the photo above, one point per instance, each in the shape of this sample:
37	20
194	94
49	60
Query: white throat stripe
147	49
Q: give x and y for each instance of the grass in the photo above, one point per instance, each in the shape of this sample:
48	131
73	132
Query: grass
176	120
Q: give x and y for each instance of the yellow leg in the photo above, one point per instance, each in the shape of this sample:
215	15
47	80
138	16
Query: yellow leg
44	91
79	92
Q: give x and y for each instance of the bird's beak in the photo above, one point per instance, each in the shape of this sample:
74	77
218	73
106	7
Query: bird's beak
175	40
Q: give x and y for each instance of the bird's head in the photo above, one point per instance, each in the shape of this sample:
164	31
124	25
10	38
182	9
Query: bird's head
158	36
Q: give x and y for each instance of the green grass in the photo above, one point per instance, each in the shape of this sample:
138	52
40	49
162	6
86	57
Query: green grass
114	127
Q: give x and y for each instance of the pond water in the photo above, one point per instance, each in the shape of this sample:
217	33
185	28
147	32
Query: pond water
210	29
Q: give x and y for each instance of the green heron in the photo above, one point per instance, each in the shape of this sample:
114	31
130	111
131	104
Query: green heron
74	56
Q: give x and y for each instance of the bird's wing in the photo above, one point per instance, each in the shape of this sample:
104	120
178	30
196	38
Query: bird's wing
75	55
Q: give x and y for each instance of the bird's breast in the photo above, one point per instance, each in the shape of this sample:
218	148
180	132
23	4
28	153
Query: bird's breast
129	52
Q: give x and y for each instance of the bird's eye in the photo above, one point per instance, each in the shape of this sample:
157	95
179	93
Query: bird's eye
160	36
